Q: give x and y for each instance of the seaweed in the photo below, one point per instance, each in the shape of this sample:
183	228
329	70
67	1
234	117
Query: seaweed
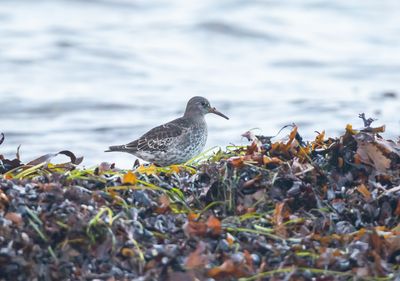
326	209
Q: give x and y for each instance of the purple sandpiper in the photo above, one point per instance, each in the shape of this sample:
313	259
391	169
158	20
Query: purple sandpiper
174	142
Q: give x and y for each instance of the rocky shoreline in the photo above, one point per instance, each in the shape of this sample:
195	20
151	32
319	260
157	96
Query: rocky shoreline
327	209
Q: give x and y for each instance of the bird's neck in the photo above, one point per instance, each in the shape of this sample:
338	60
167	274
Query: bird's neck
193	114
195	118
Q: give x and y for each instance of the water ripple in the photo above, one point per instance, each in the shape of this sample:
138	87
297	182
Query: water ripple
82	75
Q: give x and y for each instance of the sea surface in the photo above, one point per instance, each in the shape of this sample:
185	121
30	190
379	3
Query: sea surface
85	74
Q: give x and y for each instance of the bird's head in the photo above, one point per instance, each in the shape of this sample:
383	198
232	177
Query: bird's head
201	106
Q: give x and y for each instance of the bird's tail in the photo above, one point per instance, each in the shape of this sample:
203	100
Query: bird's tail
116	148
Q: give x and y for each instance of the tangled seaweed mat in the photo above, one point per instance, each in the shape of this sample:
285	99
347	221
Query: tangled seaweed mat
324	210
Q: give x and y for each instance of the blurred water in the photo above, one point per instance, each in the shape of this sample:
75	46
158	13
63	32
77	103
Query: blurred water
82	75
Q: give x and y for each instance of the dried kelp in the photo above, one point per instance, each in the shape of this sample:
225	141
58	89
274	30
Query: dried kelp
327	209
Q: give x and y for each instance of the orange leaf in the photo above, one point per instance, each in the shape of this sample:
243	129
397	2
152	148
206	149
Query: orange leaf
364	191
224	270
236	161
320	138
360	233
14	217
375	242
381	228
293	133
304	152
281	213
129	178
371	154
350	130
336	253
197	259
214	225
380	129
192	216
175	168
228	269
148	170
126	252
164	204
254	147
112	193
271	160
194	228
292	137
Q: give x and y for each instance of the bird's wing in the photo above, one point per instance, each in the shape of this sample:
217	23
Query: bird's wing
158	138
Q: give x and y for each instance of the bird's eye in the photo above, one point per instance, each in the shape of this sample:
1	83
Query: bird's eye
203	103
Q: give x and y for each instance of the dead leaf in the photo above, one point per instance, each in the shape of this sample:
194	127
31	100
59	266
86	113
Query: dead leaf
164	204
271	160
292	137
364	191
14	217
388	146
175	169
194	228
393	245
319	139
236	161
371	155
197	259
227	270
214	226
127	252
129	178
147	170
350	130
375	130
281	213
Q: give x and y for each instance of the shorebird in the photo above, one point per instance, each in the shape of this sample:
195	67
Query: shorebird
174	142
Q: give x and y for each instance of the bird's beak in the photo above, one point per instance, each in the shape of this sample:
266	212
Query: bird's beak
215	111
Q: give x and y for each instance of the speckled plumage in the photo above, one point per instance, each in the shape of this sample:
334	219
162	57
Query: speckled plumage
174	142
